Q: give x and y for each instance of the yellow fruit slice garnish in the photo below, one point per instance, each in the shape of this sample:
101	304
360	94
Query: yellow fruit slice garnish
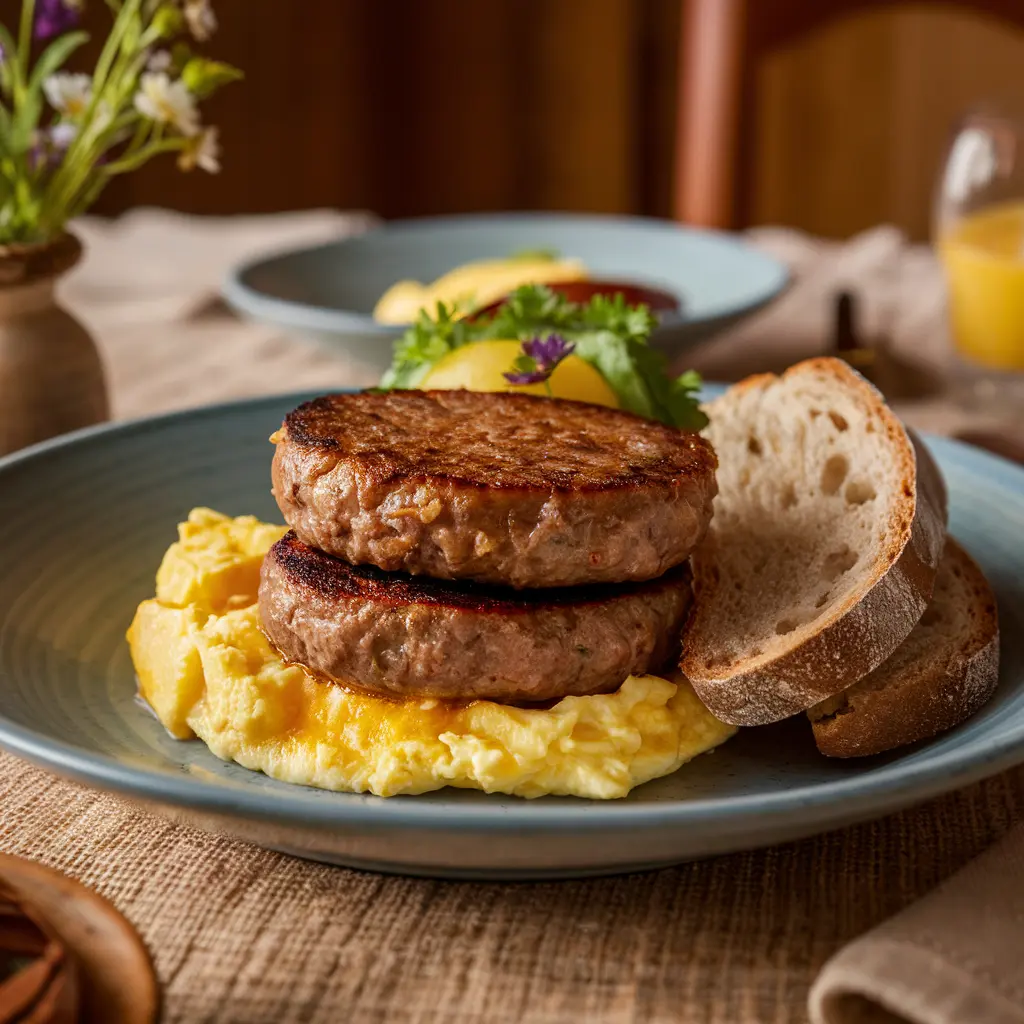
481	365
472	286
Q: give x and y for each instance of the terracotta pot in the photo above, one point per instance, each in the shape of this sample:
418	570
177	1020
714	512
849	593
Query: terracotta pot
51	376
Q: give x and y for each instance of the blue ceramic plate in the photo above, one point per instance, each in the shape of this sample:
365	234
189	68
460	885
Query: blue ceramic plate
328	292
86	520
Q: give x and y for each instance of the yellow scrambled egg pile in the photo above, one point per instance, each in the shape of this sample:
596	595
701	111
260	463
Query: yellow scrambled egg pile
207	670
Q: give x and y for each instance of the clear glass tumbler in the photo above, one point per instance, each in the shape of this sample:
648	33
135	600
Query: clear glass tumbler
979	235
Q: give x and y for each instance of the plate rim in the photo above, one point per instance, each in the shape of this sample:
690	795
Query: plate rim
244	298
893	785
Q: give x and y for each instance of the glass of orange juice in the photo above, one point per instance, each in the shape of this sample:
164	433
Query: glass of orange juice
979	233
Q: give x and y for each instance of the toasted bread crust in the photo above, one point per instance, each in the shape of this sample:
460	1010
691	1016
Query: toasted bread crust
508	489
398	635
905	703
860	633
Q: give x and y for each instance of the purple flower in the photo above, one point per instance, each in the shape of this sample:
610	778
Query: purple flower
49	146
527	377
55	17
539	359
549	351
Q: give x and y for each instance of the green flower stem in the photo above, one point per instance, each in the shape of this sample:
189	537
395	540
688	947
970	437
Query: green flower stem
111	50
128	64
28	12
72	179
88	197
142	132
132	163
70	194
150	38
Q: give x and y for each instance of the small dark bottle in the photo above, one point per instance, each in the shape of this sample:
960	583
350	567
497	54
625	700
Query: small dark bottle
847	343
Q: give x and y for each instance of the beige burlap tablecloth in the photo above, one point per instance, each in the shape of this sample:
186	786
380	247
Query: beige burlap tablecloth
239	934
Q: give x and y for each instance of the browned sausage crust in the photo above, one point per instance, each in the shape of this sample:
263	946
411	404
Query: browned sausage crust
399	635
501	488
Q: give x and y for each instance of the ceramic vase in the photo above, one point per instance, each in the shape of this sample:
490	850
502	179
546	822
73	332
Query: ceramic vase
51	375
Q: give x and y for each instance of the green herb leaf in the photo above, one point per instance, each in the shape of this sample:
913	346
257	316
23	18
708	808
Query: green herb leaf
674	397
613	313
614	358
529	311
423	345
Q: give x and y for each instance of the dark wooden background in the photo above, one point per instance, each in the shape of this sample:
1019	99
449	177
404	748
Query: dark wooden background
429	106
414	107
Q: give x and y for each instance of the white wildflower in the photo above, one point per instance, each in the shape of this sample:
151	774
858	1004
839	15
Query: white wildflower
202	22
202	151
167	102
68	94
159	60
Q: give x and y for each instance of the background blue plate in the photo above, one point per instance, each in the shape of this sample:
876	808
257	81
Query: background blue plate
86	520
328	292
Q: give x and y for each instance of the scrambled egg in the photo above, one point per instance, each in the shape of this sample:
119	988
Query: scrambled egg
207	670
473	286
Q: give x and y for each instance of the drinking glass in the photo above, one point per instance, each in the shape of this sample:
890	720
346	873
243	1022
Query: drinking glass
979	234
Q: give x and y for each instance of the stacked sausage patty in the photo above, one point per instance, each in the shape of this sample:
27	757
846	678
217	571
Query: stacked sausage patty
465	545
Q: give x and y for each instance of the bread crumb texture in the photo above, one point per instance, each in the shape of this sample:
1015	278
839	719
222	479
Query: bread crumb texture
822	549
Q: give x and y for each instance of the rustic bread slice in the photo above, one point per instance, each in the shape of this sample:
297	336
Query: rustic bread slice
940	675
827	533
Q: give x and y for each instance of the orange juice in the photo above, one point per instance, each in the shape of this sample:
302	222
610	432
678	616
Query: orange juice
984	259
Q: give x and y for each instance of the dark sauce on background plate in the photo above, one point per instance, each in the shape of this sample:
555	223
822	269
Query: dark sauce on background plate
583	291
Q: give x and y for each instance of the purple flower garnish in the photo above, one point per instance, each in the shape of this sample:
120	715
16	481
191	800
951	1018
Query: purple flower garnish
549	351
527	377
55	17
539	359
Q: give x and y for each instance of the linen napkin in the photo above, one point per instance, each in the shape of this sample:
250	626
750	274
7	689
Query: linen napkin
157	265
954	957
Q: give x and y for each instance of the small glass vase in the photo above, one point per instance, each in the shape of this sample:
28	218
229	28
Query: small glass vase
51	375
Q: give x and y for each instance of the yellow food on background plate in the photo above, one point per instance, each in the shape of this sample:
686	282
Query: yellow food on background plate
473	286
482	367
206	670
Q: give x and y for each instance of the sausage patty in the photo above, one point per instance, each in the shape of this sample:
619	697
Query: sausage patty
510	489
401	635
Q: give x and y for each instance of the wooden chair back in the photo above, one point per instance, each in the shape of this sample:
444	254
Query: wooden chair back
720	46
